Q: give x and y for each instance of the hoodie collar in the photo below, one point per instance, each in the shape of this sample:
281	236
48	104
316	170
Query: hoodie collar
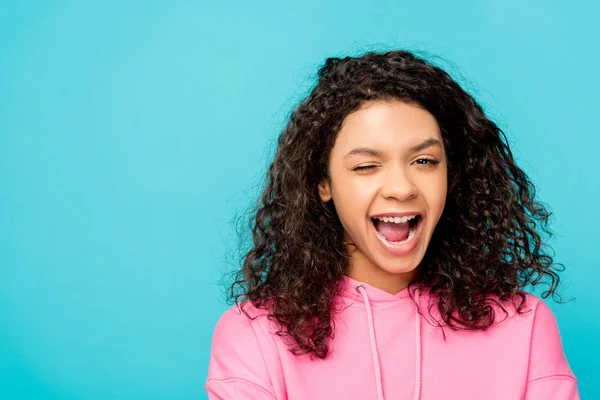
375	295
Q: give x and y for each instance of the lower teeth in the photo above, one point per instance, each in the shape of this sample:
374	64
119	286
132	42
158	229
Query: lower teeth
411	235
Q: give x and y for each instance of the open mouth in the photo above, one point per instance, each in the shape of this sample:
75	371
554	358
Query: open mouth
397	230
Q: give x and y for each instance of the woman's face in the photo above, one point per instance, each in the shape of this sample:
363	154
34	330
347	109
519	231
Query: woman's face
404	170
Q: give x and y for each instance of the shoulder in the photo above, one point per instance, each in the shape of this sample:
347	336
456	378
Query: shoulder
543	316
547	357
242	352
536	312
234	318
533	310
545	332
526	318
236	327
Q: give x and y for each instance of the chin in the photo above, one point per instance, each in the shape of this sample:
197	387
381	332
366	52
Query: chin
400	266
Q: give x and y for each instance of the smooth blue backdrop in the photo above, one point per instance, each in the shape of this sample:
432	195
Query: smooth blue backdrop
133	133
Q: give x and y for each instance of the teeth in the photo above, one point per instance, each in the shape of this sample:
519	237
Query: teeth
397	220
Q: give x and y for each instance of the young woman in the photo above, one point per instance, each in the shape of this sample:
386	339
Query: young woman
392	247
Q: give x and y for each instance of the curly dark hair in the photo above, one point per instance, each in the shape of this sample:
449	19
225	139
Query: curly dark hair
485	245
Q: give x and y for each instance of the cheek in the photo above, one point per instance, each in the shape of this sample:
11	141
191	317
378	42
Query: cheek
357	196
436	196
352	204
434	190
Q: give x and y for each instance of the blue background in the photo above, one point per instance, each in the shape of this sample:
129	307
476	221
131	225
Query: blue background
132	134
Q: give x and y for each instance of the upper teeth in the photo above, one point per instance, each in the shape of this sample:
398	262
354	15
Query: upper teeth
397	220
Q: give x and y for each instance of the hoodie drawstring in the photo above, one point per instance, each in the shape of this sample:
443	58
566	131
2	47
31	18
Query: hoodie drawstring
376	365
418	350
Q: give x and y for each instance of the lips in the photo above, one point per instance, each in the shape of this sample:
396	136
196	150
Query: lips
412	223
400	249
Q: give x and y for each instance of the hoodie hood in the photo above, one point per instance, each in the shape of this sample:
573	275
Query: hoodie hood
363	292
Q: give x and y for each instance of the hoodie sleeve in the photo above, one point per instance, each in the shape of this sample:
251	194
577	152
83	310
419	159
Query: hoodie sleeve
237	368
549	376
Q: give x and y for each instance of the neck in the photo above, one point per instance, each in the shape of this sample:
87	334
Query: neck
386	281
363	270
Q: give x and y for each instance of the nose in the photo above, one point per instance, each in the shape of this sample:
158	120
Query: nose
398	184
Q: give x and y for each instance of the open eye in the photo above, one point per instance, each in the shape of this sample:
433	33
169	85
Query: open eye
427	161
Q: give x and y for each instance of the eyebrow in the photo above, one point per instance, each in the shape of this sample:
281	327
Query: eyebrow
365	151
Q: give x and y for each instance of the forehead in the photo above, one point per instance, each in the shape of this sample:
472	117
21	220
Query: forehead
387	124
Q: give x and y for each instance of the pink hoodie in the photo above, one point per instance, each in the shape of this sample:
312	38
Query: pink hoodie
384	349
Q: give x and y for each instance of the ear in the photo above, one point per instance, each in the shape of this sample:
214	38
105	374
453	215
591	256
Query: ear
325	190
